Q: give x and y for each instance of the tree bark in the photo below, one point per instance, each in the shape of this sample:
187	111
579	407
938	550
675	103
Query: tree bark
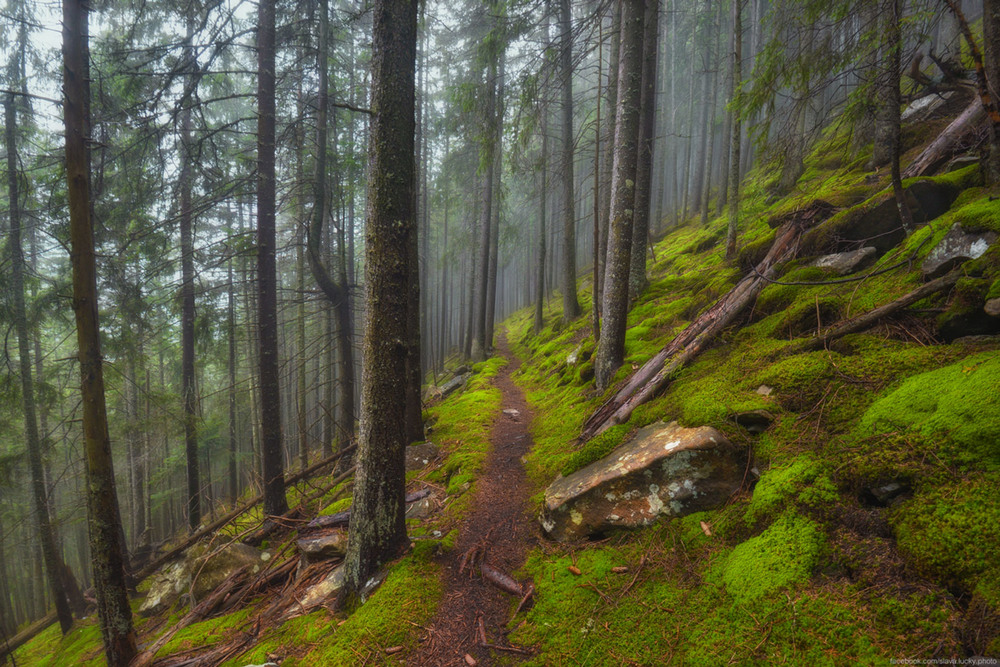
637	280
482	266
892	14
611	348
188	395
107	549
378	528
571	305
607	161
736	114
271	454
991	67
43	522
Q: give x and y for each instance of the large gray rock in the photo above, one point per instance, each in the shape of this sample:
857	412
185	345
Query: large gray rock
665	470
992	307
318	593
956	247
843	263
208	569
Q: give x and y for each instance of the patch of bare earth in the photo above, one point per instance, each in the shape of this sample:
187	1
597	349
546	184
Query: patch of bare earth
471	624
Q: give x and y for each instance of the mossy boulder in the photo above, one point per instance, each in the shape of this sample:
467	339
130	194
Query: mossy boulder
206	568
958	405
783	555
958	246
664	470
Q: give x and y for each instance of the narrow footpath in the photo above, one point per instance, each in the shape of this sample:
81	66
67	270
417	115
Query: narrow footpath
498	533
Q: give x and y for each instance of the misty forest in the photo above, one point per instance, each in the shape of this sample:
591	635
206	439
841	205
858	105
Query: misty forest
603	332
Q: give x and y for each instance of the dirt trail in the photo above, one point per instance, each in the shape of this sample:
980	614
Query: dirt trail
500	522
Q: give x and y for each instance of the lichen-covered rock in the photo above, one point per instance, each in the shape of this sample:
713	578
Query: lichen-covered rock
319	593
331	544
843	263
221	564
174	579
956	247
665	470
168	584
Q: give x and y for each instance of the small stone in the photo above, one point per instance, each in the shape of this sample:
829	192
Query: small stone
992	307
764	390
573	357
332	544
512	413
844	263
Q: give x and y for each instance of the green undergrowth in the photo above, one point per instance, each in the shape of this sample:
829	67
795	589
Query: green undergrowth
803	566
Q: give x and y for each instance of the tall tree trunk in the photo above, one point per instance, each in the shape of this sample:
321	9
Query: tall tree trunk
378	528
891	101
107	549
414	366
539	321
234	490
187	306
271	454
43	523
497	129
571	305
991	62
735	138
609	145
611	348
644	166
479	343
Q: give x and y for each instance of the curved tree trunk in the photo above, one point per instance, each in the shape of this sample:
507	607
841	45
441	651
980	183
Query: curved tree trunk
43	522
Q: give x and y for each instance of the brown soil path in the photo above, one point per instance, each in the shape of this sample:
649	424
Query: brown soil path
500	523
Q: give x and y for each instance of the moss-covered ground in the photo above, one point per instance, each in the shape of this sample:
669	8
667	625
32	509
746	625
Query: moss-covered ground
804	566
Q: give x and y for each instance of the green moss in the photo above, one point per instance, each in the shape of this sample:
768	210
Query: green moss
957	405
783	555
804	482
952	533
597	448
80	646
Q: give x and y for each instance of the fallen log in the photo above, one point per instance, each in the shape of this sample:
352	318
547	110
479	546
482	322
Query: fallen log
219	523
344	518
954	138
26	635
873	317
658	371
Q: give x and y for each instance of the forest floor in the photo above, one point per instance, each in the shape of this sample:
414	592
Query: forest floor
498	532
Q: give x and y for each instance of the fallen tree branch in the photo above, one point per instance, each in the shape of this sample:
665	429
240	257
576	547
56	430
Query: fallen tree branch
872	317
658	371
219	523
344	518
958	133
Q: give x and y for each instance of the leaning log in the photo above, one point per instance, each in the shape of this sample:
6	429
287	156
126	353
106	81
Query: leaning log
954	138
658	371
873	317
